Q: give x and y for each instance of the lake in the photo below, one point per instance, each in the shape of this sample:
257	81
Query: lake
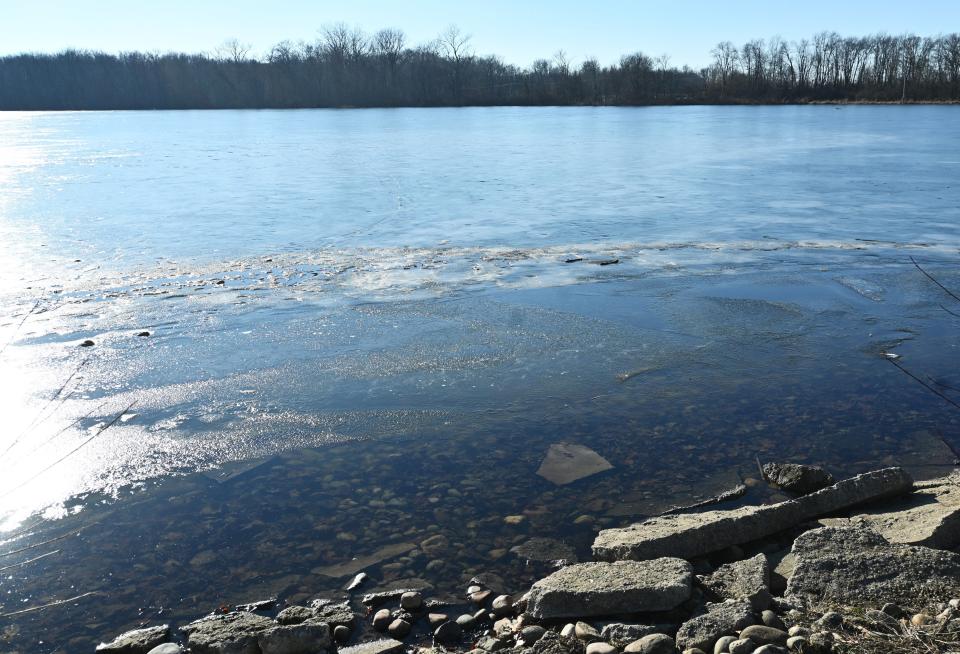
322	339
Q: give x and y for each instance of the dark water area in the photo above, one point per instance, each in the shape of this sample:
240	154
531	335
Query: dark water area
342	374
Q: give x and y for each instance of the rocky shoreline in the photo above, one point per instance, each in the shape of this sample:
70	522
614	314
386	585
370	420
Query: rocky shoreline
864	564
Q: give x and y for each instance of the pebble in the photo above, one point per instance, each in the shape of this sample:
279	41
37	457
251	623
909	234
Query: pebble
412	601
341	634
601	647
921	619
399	628
797	630
830	620
722	644
491	644
954	603
143	334
466	621
436	619
448	633
532	634
502	605
166	648
769	649
481	596
763	635
473	589
514	519
568	630
87	343
583	631
652	644
771	619
382	619
893	610
796	643
742	646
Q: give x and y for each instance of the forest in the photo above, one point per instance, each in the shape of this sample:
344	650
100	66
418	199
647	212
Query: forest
347	67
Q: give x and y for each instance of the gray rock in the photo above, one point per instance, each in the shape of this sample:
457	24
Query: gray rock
652	644
749	580
798	630
233	633
466	621
586	632
830	620
304	638
335	614
295	615
341	634
553	643
449	633
796	643
567	462
491	644
840	564
797	478
771	619
382	619
411	601
621	634
589	589
762	635
502	605
770	649
691	535
399	628
929	516
261	605
723	643
138	641
166	648
531	634
741	646
724	619
435	619
385	646
601	647
545	550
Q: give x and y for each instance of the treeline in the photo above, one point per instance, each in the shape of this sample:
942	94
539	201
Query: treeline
347	67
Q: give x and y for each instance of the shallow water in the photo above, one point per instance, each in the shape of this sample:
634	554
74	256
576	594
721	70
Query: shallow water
367	327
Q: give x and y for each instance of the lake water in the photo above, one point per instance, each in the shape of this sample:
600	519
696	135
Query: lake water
366	328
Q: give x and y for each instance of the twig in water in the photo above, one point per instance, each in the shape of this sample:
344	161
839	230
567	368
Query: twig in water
923	383
71	452
949	311
933	279
47	606
36	558
46	542
20	324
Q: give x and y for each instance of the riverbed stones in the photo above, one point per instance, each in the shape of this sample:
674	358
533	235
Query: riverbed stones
740	646
622	634
532	633
722	619
929	516
764	635
166	648
748	579
692	535
384	646
382	619
449	633
411	601
501	606
723	643
304	638
399	628
591	589
652	644
553	643
601	647
856	565
565	463
586	632
138	641
233	633
335	614
545	550
796	478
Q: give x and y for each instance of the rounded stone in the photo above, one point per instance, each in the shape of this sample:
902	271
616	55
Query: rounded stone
763	635
502	605
399	628
382	619
771	619
411	601
742	646
720	647
601	647
466	621
436	619
921	619
531	634
166	648
831	620
448	633
568	630
584	631
652	644
341	633
797	630
796	643
769	649
693	650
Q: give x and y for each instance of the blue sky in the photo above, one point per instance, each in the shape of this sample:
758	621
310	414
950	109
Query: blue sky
518	31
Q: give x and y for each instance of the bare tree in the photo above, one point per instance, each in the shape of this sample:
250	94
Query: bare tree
455	45
233	50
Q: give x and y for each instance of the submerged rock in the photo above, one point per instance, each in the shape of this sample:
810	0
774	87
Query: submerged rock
797	478
749	580
856	564
718	620
545	550
621	634
691	535
310	637
589	589
138	641
567	462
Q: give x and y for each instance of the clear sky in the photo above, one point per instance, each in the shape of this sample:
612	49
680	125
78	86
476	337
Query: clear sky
519	31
